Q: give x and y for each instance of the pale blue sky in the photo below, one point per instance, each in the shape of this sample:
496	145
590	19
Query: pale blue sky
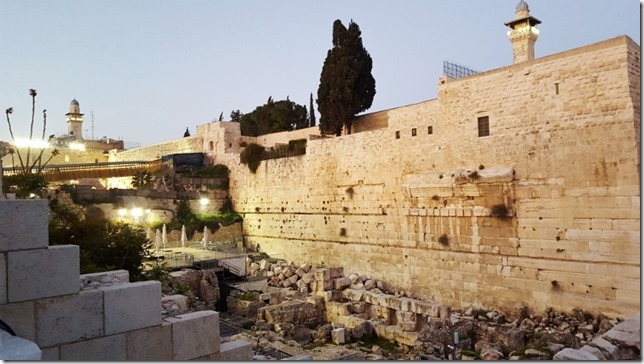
149	68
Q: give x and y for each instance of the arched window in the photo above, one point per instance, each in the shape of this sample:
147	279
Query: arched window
211	145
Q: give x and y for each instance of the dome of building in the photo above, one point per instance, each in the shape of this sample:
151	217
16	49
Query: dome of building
522	6
74	102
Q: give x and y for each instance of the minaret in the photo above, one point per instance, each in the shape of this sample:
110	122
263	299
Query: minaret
523	34
75	120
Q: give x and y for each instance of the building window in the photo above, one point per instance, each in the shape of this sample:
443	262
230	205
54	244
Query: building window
556	88
484	126
413	132
211	145
397	135
430	130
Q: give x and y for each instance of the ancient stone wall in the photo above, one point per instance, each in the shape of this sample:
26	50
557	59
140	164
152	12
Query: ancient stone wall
156	151
417	203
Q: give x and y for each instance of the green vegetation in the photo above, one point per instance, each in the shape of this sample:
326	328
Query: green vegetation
143	180
499	211
346	84
24	185
252	155
104	245
272	117
196	222
249	296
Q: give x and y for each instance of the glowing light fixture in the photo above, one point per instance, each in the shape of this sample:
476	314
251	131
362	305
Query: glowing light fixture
203	201
25	143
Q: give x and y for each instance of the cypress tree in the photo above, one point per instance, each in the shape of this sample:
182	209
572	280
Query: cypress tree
311	112
346	84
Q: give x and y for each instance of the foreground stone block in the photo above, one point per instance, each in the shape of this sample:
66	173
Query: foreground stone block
50	354
338	336
24	225
21	317
236	350
151	344
573	354
66	319
132	306
40	273
108	348
195	334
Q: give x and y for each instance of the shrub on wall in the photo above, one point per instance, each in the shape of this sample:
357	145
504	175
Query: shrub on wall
252	155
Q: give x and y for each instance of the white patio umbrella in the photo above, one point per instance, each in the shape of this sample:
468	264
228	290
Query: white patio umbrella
205	237
148	234
164	236
157	240
184	238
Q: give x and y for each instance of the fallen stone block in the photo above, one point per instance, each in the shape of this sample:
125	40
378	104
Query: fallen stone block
369	284
299	272
357	286
354	278
341	283
308	278
353	294
338	336
594	351
322	275
336	272
294	278
609	350
179	300
288	272
305	267
573	354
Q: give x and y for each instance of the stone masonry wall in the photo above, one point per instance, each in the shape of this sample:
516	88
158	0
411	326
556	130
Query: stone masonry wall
562	156
109	319
182	145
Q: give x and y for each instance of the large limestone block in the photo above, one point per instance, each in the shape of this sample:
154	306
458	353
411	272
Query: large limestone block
336	272
151	344
24	225
353	294
132	306
195	334
65	319
21	318
626	333
573	354
338	336
40	273
107	348
236	350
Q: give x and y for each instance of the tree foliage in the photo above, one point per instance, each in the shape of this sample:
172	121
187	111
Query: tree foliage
346	84
273	117
104	245
143	180
252	155
311	111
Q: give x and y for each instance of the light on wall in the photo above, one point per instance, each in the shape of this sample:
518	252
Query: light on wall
203	201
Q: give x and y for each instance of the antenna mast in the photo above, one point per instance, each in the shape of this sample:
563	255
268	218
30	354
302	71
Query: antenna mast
92	124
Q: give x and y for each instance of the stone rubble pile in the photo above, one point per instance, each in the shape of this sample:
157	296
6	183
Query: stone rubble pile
325	306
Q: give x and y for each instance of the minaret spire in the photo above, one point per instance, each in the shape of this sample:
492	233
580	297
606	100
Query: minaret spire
523	33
